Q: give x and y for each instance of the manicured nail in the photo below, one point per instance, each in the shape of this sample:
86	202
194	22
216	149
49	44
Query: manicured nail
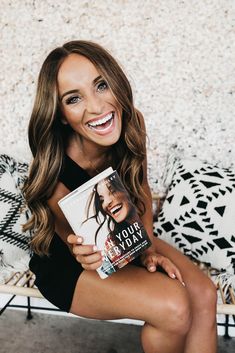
183	284
151	268
173	275
95	248
79	240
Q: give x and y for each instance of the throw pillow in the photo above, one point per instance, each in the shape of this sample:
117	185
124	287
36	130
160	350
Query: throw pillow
198	213
14	244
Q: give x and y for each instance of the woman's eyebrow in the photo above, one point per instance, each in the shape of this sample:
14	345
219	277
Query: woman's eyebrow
69	92
96	79
77	90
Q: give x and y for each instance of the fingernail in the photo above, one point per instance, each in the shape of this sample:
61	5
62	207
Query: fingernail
79	240
151	268
95	248
183	284
173	275
103	253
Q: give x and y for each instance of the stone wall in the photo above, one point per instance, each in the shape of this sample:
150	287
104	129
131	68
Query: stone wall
178	55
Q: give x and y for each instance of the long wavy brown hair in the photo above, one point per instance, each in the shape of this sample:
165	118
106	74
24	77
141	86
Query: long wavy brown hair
48	138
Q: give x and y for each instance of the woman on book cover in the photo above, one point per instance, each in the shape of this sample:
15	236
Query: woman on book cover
113	202
83	121
111	207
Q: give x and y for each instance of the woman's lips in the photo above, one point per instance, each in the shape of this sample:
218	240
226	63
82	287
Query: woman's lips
104	125
114	210
100	121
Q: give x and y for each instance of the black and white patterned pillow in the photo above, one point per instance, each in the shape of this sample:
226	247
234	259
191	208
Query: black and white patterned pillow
198	214
14	244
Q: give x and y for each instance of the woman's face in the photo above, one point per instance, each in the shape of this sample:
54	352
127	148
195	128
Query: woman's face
114	203
87	102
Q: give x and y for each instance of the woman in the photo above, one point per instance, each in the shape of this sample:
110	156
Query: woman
84	120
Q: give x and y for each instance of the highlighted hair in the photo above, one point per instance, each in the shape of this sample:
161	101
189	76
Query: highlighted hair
48	137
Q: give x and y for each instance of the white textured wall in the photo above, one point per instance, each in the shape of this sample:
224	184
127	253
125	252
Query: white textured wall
179	56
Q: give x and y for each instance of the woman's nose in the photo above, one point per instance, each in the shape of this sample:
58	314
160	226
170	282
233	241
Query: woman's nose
108	201
94	104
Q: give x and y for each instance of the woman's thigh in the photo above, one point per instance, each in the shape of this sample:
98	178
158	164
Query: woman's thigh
134	293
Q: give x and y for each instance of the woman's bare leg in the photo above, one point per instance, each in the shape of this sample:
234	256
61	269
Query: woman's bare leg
202	336
133	292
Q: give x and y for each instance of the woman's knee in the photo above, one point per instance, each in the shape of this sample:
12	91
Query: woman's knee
175	313
204	297
179	315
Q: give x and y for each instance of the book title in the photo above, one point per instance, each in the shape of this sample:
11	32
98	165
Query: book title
126	239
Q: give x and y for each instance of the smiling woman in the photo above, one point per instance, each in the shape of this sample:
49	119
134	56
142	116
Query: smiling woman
83	121
88	104
114	201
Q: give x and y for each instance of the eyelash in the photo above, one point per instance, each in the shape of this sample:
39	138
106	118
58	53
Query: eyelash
74	99
101	84
70	100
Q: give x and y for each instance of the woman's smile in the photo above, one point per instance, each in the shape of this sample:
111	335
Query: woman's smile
115	210
103	125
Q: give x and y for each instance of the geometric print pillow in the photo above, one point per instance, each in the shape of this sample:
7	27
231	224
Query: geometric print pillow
14	243
198	214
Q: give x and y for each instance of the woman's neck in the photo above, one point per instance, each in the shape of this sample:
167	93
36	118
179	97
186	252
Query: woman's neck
89	156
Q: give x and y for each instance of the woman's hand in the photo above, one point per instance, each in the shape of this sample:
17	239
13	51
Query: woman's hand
151	260
88	255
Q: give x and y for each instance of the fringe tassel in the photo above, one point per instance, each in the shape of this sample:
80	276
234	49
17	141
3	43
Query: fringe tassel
6	270
227	281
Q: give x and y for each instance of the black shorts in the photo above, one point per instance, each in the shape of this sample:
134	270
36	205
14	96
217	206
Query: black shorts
56	275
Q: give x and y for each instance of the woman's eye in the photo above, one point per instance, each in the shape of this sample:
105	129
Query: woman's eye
102	86
72	100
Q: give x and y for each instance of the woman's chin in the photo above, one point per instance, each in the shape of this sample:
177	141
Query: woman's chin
119	218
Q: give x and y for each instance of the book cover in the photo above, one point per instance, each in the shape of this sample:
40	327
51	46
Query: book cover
102	213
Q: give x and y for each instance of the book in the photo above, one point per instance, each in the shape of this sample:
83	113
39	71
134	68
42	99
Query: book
102	212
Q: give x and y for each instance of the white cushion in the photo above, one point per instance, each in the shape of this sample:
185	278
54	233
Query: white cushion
198	214
14	244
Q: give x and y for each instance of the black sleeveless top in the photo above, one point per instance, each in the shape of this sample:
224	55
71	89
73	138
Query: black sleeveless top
57	275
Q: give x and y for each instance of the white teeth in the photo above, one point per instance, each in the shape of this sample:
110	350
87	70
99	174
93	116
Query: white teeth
101	121
115	208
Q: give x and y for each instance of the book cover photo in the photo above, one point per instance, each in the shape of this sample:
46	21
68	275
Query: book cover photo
102	212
